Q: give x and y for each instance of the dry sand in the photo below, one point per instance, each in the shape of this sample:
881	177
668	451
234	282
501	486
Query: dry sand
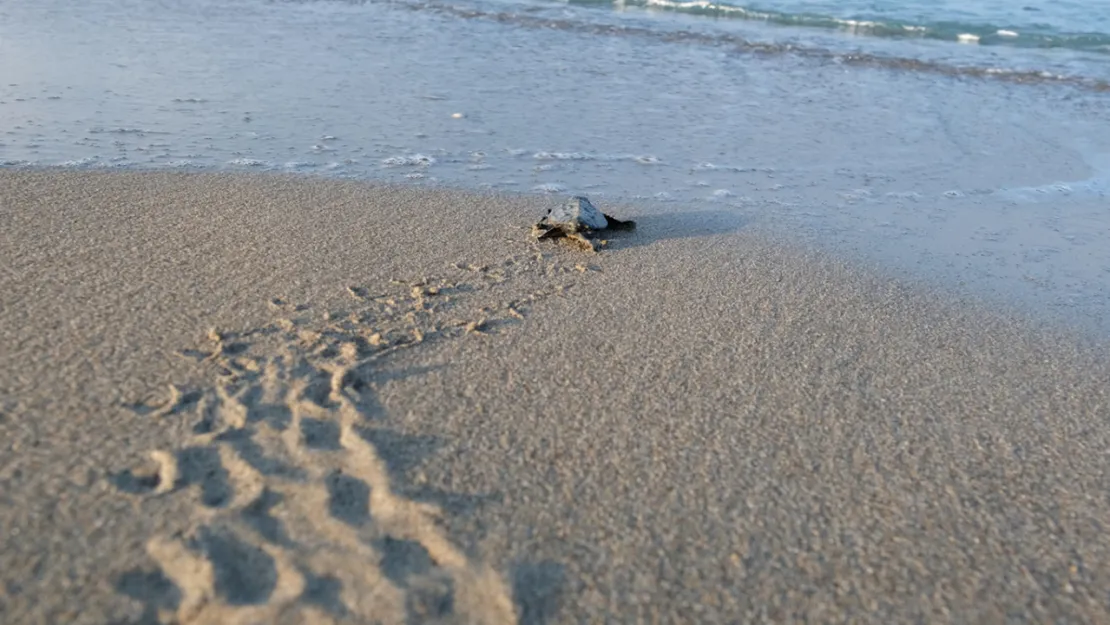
276	400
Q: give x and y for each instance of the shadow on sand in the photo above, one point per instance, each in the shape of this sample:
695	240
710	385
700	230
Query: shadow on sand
653	228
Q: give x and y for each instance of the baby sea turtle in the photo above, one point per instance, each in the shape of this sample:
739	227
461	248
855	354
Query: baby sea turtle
577	221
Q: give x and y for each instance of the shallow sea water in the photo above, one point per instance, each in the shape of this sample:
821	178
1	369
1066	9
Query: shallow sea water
991	182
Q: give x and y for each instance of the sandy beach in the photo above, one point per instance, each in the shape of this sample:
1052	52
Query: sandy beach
268	399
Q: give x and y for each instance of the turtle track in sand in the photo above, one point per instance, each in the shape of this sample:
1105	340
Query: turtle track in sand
295	516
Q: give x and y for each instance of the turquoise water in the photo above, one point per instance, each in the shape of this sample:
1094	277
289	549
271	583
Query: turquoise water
1038	24
1038	39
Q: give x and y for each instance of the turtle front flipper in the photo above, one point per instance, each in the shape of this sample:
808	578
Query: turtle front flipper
619	224
545	231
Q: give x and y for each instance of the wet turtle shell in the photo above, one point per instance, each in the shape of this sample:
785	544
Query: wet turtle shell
578	221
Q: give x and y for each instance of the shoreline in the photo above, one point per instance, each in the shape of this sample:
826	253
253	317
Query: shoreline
997	186
701	422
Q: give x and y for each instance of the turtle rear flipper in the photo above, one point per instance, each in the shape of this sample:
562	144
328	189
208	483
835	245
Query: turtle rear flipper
619	224
581	241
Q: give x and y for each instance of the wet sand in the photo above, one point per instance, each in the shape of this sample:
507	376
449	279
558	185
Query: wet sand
231	399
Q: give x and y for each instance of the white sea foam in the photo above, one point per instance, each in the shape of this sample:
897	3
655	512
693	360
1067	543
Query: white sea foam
120	131
87	161
249	162
644	159
1094	187
410	160
731	168
564	156
903	195
550	187
703	5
